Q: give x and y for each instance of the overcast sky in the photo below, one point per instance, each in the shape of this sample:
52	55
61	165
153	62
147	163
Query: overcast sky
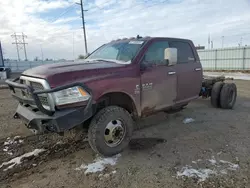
55	25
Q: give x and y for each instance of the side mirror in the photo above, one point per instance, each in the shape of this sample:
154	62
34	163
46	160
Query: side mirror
170	54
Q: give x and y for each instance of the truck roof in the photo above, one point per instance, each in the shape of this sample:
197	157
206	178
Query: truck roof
147	38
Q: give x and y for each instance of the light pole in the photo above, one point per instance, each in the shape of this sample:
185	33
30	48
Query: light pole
222	41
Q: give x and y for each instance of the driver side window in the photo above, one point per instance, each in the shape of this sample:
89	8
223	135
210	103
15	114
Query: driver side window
155	53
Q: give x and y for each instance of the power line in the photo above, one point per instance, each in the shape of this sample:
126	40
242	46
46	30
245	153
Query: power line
133	6
98	7
71	7
63	13
20	44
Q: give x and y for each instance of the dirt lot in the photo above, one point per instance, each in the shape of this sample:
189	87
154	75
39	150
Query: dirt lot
212	151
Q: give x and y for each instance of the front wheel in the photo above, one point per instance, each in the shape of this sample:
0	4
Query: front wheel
110	131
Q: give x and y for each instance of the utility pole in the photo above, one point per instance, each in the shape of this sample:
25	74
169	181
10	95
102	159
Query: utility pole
1	56
222	41
83	26
73	45
241	41
24	47
209	40
20	44
17	48
41	51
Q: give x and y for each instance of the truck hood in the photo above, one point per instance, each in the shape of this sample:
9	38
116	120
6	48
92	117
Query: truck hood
65	72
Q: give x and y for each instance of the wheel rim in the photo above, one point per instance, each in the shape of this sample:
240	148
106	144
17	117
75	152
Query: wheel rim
114	133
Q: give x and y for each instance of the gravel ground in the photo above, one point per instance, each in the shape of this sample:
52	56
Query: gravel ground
211	151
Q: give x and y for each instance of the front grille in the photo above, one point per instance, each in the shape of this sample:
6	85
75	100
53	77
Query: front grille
44	100
37	87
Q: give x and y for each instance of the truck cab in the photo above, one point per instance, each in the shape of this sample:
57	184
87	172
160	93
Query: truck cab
121	81
169	83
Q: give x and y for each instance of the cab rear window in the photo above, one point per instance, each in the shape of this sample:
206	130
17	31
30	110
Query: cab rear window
185	52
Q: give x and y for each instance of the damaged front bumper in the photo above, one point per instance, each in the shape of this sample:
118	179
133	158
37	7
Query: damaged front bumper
40	119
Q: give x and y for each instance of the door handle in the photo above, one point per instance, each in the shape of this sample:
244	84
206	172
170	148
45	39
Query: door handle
197	69
171	72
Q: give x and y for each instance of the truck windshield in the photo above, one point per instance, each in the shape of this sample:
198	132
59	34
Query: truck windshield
122	52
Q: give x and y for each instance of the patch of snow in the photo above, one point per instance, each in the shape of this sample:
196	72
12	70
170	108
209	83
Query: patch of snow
16	137
219	153
212	161
201	174
99	164
232	166
113	172
106	175
6	148
237	159
15	140
100	175
223	171
18	160
234	75
188	120
59	143
9	153
8	142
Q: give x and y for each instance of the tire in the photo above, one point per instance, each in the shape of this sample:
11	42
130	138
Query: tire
228	96
98	127
215	94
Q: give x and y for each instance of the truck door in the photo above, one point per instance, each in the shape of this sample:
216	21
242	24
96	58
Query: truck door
158	80
189	71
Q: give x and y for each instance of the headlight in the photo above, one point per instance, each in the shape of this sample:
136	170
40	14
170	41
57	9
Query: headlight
71	95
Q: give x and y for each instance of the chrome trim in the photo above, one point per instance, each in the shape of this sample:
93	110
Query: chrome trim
197	69
171	72
46	85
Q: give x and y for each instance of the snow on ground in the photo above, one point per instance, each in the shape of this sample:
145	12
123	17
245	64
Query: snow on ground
201	174
15	140
188	120
212	161
99	164
18	160
9	142
234	75
232	166
219	167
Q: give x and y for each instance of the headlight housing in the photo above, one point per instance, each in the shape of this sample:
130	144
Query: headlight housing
71	95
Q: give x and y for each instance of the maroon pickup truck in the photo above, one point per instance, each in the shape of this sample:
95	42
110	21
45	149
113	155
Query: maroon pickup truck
118	83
